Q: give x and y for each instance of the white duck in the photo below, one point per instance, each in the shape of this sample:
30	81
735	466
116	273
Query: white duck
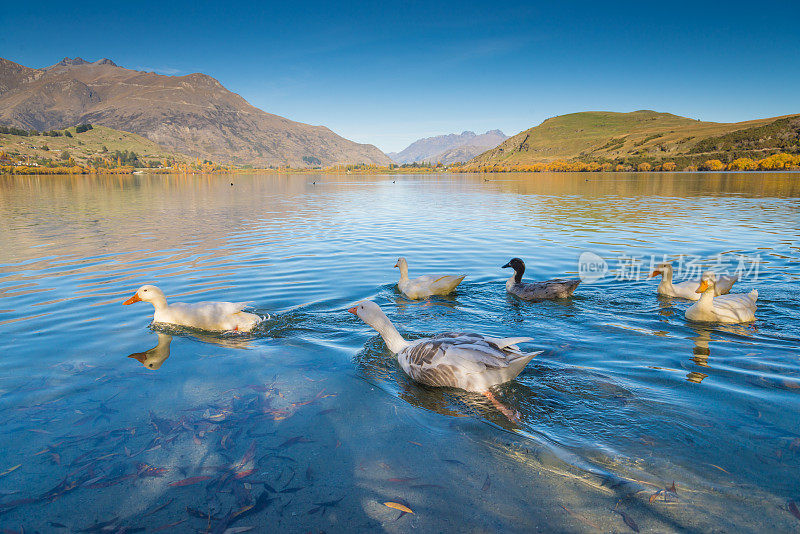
216	316
688	288
473	362
425	286
738	308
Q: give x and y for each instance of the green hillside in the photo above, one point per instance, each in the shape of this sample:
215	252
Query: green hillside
99	142
644	136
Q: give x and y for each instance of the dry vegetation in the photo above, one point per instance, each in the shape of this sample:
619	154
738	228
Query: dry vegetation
639	139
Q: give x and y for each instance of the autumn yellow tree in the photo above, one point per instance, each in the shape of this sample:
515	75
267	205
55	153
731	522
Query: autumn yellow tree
742	164
776	162
644	167
712	165
668	166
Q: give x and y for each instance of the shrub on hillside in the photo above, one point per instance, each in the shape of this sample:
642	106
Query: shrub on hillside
712	165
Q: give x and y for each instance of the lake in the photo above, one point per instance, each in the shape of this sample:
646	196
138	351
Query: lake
308	423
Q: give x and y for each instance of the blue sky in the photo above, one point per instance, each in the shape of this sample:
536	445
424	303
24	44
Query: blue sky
389	73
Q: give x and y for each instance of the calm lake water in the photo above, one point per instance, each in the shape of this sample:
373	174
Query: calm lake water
308	424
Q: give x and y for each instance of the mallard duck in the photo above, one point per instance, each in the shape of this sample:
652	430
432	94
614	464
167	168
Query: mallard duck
427	285
688	288
153	358
738	308
473	362
550	289
216	316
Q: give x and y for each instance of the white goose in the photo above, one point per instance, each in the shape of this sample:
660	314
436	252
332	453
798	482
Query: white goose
216	316
688	289
425	286
738	308
473	362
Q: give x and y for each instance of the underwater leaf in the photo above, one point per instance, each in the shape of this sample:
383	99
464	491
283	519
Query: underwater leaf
7	471
793	509
628	520
189	481
169	526
398	506
159	508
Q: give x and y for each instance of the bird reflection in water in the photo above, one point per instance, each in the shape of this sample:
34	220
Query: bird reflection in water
445	301
153	358
700	353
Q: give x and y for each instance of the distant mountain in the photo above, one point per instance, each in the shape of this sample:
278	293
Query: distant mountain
192	114
448	148
608	136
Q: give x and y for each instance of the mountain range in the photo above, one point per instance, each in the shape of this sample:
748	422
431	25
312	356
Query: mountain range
450	148
192	114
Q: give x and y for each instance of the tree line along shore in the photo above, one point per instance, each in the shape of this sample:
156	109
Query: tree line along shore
114	165
83	150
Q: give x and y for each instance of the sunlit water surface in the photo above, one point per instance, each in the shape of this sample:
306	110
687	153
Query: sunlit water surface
309	424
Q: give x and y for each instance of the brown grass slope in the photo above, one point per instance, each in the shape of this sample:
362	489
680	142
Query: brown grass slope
192	114
606	135
100	141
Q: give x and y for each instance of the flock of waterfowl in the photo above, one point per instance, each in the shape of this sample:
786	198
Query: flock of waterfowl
470	361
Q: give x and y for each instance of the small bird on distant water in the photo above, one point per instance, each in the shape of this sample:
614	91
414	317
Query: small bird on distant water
549	289
216	316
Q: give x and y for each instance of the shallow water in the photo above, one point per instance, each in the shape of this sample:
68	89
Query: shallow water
308	423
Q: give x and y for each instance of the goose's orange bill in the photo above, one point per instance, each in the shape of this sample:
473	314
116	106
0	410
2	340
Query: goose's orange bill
134	298
353	310
654	273
703	287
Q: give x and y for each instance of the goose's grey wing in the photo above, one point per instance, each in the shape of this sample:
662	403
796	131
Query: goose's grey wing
462	360
508	342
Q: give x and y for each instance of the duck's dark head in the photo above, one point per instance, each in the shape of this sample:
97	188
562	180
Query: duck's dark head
519	268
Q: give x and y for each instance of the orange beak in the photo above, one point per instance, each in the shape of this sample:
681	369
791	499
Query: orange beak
703	287
139	356
134	298
655	273
353	311
397	264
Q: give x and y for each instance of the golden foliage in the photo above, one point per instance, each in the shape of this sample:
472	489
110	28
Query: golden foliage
712	165
742	164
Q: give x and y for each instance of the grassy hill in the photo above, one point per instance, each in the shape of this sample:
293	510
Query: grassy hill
644	136
100	141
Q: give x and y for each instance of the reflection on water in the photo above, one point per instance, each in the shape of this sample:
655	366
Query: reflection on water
155	357
303	426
